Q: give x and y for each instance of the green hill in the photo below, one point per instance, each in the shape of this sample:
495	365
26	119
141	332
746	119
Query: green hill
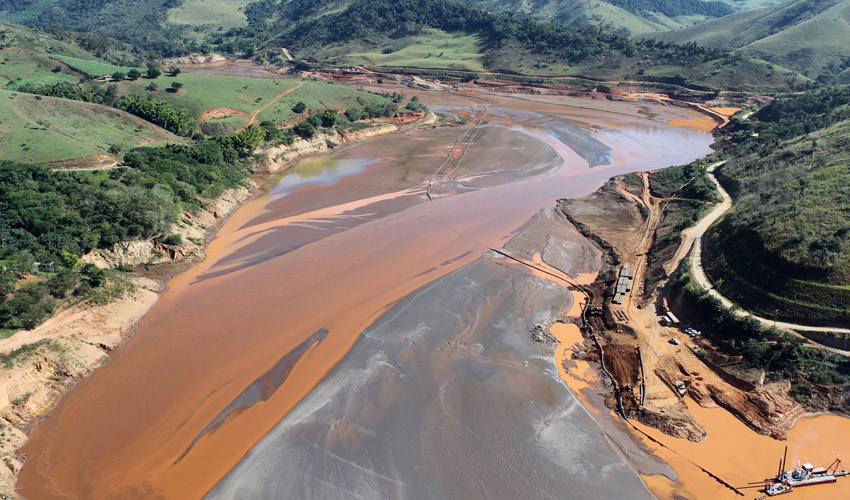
803	35
784	248
38	129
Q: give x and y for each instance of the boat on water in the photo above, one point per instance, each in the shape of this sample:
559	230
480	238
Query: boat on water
805	474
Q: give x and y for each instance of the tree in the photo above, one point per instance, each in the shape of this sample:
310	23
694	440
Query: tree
304	129
152	87
329	118
69	260
134	74
173	71
299	108
176	86
118	76
153	71
315	120
248	139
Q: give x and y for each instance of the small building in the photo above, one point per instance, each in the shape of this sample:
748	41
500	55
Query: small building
621	289
619	297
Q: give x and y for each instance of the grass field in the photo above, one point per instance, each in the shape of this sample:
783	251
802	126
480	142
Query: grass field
94	68
44	129
247	95
19	67
435	49
751	4
214	13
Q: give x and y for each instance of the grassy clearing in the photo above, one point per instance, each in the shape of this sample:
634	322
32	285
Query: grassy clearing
19	66
434	49
751	4
213	13
43	129
93	68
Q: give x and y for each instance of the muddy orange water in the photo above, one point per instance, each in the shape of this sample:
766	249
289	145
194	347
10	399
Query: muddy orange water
732	451
296	275
744	458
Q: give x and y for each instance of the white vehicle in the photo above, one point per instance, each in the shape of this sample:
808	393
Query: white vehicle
675	341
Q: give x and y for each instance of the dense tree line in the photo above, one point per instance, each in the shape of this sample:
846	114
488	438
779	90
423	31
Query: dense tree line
175	120
795	116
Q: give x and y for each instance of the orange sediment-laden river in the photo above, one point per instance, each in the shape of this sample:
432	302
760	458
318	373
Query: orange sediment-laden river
296	278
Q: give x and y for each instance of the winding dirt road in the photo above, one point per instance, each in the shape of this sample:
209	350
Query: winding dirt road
276	98
693	237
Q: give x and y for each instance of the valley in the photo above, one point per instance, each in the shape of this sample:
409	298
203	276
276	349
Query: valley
422	248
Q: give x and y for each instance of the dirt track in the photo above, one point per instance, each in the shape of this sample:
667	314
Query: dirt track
694	237
638	323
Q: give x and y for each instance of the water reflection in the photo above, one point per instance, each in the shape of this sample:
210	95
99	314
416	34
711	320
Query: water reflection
324	170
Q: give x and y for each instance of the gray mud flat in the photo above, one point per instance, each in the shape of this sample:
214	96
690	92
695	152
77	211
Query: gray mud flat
447	396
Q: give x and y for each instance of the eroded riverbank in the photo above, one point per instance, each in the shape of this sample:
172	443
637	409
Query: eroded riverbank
287	289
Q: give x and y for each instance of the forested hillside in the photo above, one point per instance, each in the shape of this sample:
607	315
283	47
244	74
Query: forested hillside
142	23
784	248
295	24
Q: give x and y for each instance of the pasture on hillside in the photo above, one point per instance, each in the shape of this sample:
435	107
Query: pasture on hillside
231	100
433	49
94	68
37	129
211	13
19	67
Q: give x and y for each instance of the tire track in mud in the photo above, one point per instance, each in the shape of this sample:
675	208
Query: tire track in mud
476	122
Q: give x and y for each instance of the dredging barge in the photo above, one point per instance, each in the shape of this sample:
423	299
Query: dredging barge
805	474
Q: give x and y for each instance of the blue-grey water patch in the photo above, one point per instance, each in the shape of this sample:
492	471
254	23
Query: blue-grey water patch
321	170
582	142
